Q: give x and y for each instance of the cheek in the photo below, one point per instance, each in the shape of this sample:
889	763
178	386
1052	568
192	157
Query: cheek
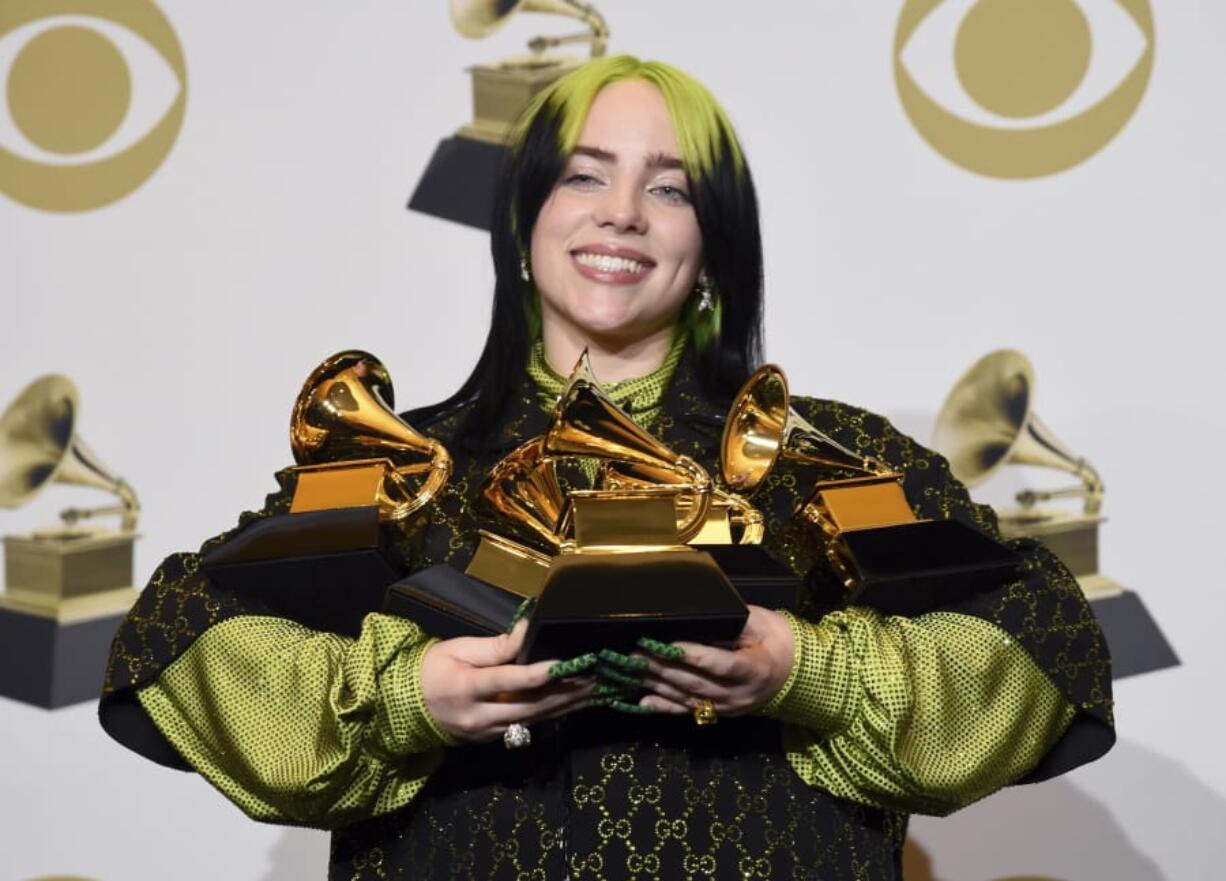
686	242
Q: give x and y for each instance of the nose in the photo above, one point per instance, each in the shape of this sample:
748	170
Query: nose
620	208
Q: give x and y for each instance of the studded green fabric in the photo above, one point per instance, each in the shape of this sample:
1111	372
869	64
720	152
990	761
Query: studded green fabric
925	714
639	396
296	726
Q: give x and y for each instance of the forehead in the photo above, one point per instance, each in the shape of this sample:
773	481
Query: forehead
630	118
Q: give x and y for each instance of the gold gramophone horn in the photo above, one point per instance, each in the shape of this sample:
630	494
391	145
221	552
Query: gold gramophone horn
343	417
39	446
523	490
480	18
762	427
987	421
587	423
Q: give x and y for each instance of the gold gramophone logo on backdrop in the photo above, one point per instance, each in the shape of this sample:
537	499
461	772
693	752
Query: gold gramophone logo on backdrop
95	97
1022	88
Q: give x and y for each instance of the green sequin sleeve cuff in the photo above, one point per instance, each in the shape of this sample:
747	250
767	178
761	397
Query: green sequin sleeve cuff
818	693
405	723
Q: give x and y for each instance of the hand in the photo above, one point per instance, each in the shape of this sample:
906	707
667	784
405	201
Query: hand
474	689
739	680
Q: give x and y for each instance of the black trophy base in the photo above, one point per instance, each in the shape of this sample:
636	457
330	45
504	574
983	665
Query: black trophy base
595	601
759	578
447	603
51	664
1133	638
324	569
918	567
459	182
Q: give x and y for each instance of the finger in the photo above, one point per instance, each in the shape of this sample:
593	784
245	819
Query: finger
719	662
561	699
684	680
490	682
489	651
610	690
664	705
621	706
682	696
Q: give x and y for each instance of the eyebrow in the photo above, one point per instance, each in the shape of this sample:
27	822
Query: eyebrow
655	160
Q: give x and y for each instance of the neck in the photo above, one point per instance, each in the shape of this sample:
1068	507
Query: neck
612	360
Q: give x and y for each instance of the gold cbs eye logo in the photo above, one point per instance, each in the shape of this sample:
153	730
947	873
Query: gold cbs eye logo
95	96
1031	87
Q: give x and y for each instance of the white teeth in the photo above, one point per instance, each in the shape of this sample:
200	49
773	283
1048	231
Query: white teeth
608	263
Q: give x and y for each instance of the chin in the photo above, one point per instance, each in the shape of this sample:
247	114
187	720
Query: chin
608	323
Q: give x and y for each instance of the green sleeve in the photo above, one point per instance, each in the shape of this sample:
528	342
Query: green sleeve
920	715
298	726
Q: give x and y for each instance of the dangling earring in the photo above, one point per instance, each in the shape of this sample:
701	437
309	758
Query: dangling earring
525	271
706	293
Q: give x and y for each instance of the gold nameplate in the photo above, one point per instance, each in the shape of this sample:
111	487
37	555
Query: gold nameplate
339	485
863	503
624	518
509	565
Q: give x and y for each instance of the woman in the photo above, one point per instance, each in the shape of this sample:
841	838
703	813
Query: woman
627	225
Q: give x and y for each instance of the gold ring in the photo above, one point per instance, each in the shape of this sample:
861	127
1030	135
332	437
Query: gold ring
704	712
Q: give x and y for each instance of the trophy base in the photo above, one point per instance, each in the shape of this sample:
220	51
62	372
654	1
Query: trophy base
609	600
1136	643
759	578
913	568
324	569
51	663
67	590
447	603
459	181
1071	537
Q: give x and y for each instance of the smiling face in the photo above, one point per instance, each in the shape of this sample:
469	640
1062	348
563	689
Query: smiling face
616	248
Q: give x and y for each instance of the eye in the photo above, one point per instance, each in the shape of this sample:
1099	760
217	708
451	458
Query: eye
581	180
95	102
671	193
977	75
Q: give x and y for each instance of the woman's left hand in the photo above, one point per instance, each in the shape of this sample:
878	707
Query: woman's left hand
738	680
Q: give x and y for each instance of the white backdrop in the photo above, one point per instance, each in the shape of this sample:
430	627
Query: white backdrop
275	233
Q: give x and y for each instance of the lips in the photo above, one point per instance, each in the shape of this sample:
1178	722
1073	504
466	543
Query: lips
610	264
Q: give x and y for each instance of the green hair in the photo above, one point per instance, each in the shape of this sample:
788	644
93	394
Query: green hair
704	133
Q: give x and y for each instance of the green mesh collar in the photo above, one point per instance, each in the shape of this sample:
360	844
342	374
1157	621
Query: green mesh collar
641	396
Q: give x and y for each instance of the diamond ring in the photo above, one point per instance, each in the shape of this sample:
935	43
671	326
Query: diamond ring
516	736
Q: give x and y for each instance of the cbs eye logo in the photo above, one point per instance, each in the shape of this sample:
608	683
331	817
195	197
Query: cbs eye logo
95	97
1031	87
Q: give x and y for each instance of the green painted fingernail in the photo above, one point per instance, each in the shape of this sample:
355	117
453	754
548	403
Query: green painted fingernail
604	689
624	661
523	609
614	675
562	669
633	709
661	649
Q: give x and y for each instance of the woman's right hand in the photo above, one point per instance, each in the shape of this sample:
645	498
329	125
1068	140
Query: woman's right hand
474	689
